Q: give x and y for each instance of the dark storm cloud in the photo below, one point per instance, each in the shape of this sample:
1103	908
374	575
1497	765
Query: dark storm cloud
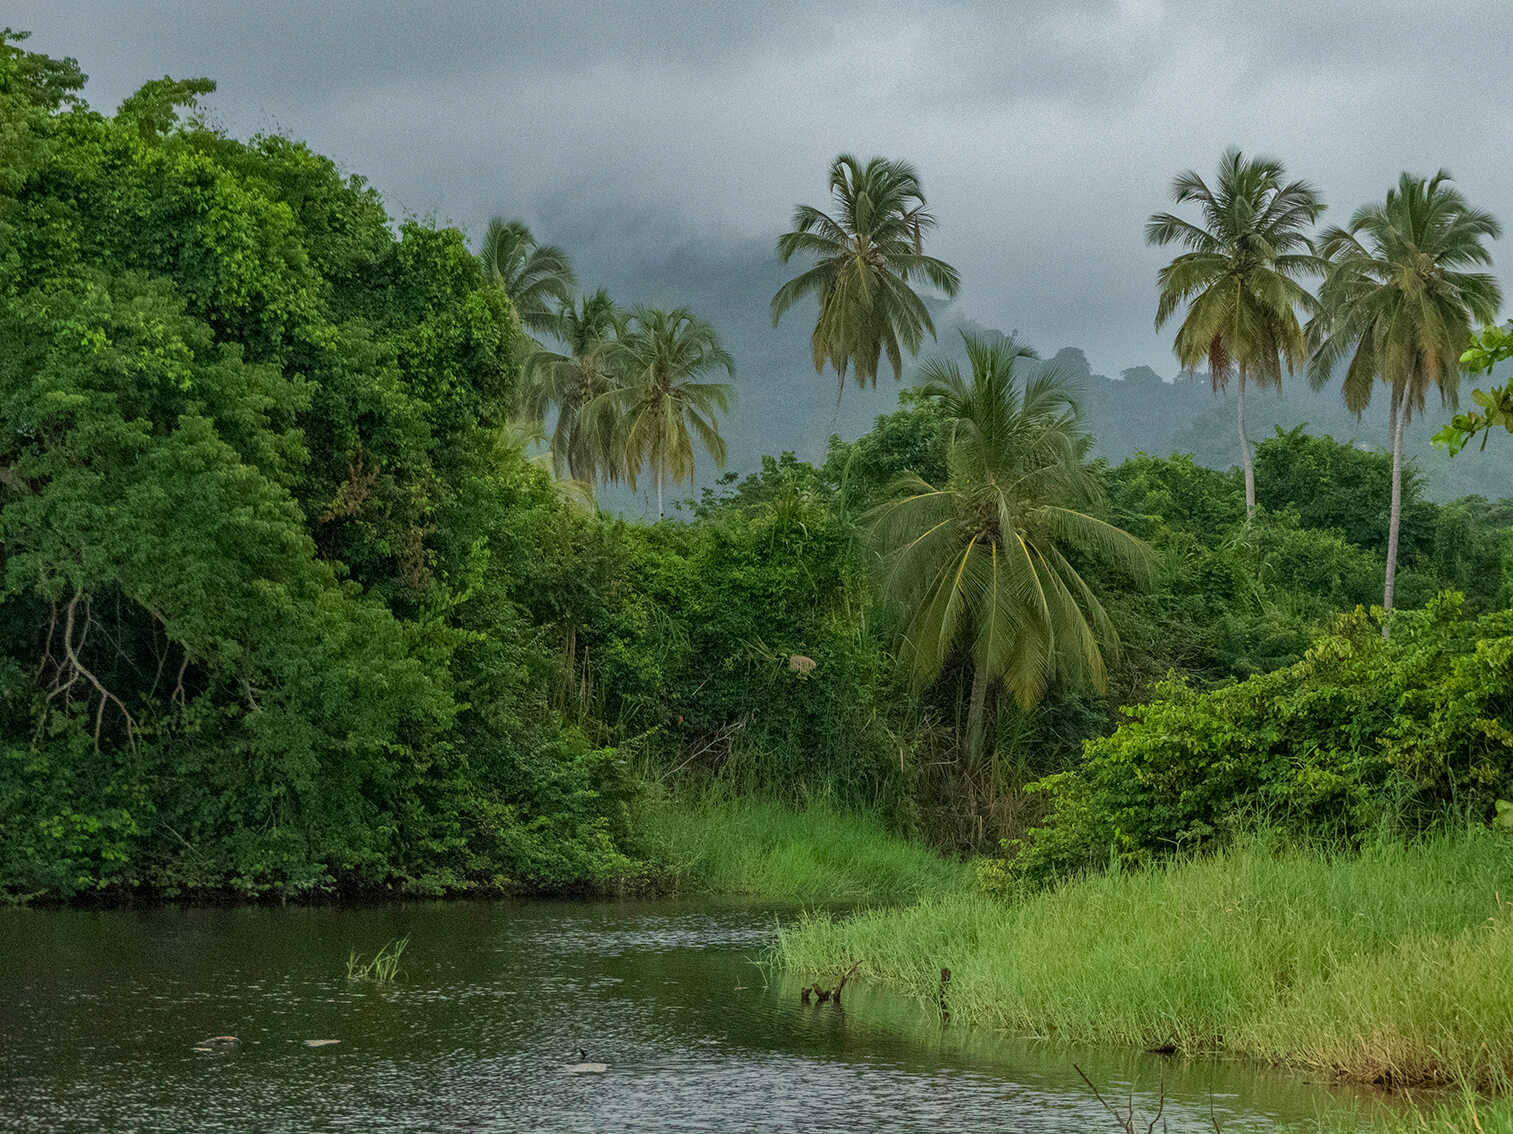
638	132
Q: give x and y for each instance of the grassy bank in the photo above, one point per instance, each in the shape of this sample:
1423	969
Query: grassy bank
818	854
1470	1114
1391	966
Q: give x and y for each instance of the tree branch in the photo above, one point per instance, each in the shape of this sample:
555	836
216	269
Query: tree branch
77	669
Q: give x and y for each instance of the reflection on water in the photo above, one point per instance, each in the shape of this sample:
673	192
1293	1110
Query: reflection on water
99	1014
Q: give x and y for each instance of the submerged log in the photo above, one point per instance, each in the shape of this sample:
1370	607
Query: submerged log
845	976
823	994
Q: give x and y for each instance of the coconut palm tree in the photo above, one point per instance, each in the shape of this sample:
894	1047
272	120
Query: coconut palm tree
979	563
662	401
1397	300
567	381
537	277
867	253
1239	277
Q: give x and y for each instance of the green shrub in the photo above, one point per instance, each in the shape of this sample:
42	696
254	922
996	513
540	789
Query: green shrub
1360	734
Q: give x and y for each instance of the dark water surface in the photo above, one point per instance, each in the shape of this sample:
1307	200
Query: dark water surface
100	1012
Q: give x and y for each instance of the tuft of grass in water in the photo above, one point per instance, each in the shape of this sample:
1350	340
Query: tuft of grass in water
383	968
819	853
1391	966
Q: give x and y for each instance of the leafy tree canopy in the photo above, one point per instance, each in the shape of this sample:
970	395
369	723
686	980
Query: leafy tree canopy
244	618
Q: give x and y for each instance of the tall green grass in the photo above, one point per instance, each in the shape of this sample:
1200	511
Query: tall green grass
1392	966
1470	1113
383	968
719	845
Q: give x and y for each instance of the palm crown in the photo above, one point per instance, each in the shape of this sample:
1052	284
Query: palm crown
980	563
1239	277
569	380
537	277
867	255
662	402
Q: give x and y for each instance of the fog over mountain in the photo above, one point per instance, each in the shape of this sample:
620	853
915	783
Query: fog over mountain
783	405
665	144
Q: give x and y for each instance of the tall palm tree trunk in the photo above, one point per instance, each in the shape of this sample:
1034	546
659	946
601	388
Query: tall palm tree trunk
1398	417
1250	468
659	492
975	711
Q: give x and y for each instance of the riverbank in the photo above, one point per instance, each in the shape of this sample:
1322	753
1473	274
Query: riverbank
1469	1115
711	844
1442	1112
1386	967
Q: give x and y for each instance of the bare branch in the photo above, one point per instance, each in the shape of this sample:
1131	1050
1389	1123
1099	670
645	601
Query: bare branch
178	689
845	976
1160	1106
1114	1113
47	645
77	669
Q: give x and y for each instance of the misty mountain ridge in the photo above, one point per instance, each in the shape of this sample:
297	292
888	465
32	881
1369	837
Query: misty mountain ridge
1143	411
784	405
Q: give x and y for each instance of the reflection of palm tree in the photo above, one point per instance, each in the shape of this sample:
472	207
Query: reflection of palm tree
1239	277
652	416
867	253
1395	300
536	277
979	562
567	382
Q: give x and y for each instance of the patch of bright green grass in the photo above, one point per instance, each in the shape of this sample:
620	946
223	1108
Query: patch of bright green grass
1394	965
382	968
718	845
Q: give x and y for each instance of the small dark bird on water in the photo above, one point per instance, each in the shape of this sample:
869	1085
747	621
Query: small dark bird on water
586	1066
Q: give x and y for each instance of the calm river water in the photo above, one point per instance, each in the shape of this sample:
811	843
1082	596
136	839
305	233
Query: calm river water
100	1013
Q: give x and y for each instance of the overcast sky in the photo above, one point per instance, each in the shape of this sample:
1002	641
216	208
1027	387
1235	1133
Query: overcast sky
1045	132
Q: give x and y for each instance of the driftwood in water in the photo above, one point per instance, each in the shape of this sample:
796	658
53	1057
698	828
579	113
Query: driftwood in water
1128	1122
821	993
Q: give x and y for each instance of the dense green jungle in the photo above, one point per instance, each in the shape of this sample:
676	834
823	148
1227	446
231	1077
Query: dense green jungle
310	590
297	600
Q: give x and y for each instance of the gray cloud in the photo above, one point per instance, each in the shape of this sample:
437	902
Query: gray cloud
1046	133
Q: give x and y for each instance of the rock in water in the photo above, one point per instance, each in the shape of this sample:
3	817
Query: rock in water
217	1043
